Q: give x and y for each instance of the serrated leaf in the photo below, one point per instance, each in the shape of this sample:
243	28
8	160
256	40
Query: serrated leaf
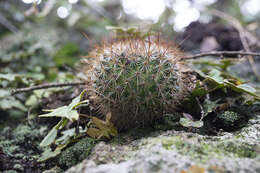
185	122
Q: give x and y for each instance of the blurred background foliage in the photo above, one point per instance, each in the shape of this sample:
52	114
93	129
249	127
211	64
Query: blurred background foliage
42	40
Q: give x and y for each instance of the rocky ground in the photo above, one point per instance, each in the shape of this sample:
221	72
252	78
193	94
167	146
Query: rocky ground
178	151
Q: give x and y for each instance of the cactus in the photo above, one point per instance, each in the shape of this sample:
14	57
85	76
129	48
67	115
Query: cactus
137	80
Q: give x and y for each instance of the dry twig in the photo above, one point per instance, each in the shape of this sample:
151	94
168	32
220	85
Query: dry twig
242	34
44	86
221	54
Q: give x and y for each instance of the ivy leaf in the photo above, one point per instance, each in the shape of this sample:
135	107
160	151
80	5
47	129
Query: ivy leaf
64	112
104	128
215	75
66	135
69	111
48	153
11	102
244	88
50	138
210	106
185	122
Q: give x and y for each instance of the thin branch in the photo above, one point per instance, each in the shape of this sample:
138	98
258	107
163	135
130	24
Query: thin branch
221	54
242	34
44	86
4	21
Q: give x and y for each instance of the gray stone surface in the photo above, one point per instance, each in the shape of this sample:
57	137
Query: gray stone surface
179	151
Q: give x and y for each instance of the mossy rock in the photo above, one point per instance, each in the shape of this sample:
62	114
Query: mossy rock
76	153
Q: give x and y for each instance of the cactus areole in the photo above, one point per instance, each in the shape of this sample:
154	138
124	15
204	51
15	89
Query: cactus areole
137	80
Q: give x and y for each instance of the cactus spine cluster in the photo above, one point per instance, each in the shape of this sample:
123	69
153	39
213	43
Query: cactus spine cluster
137	80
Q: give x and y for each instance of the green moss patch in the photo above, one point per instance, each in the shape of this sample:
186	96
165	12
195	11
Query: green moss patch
76	153
204	150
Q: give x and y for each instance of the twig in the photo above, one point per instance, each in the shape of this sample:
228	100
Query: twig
242	34
4	21
221	54
43	86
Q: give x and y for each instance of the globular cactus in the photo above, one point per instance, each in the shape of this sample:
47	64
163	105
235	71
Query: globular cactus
137	80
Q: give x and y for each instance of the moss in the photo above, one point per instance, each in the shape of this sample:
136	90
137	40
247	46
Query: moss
239	150
23	132
76	153
8	147
202	151
66	54
230	121
229	117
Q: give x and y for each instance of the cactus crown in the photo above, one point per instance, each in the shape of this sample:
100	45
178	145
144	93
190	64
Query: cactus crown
137	80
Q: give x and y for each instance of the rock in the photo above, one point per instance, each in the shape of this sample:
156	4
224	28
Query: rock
178	151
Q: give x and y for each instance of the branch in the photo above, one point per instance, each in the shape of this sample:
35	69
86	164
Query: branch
221	53
242	34
43	86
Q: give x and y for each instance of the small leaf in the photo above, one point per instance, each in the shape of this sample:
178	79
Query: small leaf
50	138
215	75
64	112
66	135
185	122
247	88
104	128
244	88
4	93
94	133
48	153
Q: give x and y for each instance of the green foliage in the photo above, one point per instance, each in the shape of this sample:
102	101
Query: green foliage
25	61
70	113
76	153
228	119
66	113
66	55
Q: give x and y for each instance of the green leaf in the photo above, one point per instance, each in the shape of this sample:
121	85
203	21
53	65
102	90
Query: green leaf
10	102
185	122
50	138
64	112
244	88
69	111
66	135
215	75
209	106
31	101
48	153
4	93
